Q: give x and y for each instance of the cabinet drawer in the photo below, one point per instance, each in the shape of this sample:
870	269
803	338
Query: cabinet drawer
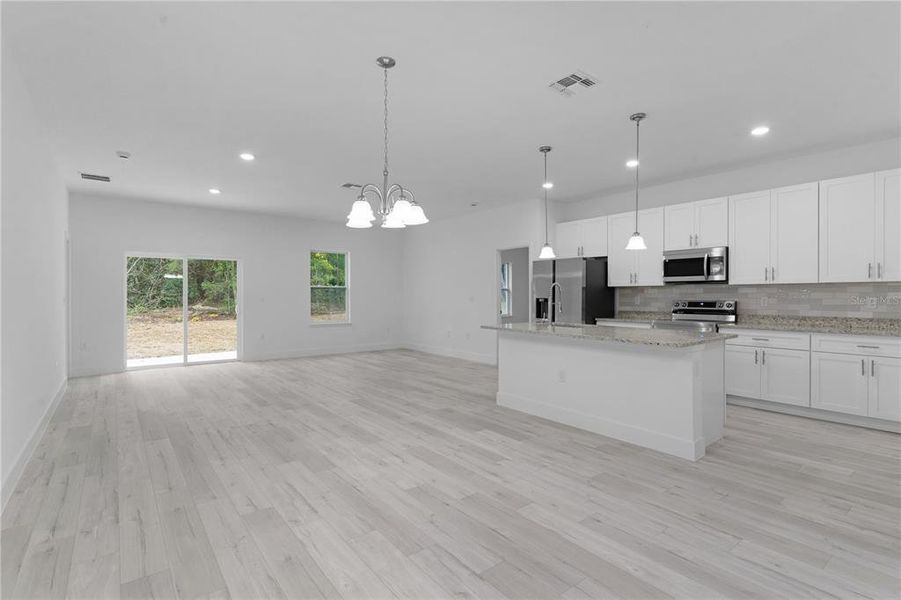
768	339
865	345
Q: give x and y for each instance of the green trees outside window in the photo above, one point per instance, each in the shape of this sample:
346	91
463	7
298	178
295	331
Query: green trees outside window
328	287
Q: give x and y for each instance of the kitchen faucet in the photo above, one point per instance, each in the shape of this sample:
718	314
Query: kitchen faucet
559	302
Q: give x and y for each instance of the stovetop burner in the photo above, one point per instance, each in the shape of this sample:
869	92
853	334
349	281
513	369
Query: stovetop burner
699	315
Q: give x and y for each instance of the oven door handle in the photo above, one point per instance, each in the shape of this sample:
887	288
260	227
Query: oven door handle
706	262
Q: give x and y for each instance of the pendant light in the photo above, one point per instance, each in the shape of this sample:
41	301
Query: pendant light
397	206
636	242
546	251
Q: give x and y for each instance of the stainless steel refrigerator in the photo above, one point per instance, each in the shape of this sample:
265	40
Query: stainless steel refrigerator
571	290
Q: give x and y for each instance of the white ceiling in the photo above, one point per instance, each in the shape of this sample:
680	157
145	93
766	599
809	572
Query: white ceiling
185	87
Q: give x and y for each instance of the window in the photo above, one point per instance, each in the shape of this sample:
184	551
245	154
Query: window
506	305
328	287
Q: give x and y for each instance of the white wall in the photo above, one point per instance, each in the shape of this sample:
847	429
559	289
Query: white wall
450	271
778	172
274	268
33	218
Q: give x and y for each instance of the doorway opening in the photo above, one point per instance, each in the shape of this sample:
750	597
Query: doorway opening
513	285
180	310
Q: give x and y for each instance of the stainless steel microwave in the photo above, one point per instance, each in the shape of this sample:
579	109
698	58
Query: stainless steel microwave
696	264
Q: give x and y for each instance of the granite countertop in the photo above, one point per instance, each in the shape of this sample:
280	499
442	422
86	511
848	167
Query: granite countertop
841	325
666	338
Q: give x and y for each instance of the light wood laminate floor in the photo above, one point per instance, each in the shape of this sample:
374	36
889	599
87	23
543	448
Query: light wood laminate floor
394	474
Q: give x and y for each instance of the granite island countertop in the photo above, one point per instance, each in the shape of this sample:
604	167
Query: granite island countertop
666	338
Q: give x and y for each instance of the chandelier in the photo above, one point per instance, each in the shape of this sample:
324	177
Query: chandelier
396	205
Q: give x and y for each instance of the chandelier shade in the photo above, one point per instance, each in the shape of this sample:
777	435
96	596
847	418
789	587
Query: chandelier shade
395	205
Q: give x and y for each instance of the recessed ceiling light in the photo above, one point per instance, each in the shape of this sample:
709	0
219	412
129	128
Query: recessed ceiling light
760	130
123	154
215	191
247	156
547	185
632	163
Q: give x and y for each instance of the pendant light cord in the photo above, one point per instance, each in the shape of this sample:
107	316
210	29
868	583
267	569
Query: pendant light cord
545	198
386	124
637	166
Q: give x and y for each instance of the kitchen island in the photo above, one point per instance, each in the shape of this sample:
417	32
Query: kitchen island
656	388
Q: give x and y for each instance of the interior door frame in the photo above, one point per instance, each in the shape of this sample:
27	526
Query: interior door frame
239	302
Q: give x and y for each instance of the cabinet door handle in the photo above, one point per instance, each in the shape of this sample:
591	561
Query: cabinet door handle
872	368
760	339
772	273
763	357
869	270
868	347
755	357
863	367
878	270
696	240
766	274
690	242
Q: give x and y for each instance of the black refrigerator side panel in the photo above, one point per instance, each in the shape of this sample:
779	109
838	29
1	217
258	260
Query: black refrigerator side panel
600	300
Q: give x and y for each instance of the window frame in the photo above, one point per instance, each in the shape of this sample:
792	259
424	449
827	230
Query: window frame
508	288
317	323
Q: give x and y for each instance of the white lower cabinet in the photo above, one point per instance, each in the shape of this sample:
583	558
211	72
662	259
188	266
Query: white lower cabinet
773	374
839	382
743	371
857	375
884	388
785	376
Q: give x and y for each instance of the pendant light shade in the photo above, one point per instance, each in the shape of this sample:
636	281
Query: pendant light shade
636	242
546	251
360	216
416	216
393	221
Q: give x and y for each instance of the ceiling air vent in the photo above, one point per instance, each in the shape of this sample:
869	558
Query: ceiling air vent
92	177
570	84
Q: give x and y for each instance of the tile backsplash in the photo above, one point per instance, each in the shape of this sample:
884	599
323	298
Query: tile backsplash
862	300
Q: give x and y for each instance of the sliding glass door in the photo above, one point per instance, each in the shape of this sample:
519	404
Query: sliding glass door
212	310
180	310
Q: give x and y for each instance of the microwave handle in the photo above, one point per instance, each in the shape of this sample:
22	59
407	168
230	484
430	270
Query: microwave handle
706	260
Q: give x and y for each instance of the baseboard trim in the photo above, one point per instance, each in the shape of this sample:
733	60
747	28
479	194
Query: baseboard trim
12	480
816	413
321	351
485	359
682	448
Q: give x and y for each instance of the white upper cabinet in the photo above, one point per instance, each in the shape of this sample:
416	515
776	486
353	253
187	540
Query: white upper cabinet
635	267
847	228
568	241
773	235
793	234
620	262
749	235
587	237
712	223
680	226
594	237
649	263
700	224
888	225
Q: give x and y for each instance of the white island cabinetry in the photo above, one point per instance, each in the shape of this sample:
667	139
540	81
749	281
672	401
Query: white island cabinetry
661	389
